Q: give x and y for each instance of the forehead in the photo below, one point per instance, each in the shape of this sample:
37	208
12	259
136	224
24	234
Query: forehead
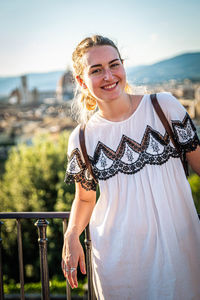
100	55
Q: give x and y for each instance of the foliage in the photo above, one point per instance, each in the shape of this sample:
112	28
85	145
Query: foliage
194	181
33	177
56	287
34	181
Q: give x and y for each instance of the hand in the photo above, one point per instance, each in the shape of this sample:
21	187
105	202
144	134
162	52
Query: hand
72	254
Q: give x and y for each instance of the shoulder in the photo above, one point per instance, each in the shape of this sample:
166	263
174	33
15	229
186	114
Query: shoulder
171	106
75	133
166	98
73	142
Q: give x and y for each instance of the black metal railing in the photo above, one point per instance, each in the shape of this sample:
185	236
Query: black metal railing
42	224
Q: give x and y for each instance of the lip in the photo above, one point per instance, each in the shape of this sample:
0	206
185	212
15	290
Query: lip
106	87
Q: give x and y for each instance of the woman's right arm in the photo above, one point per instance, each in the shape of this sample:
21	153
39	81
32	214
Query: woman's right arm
80	214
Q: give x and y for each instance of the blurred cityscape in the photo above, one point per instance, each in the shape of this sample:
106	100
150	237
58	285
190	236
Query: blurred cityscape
25	112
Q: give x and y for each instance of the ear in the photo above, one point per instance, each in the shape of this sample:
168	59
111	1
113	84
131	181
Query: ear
81	82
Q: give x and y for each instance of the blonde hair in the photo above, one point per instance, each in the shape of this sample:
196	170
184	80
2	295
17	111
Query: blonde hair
84	104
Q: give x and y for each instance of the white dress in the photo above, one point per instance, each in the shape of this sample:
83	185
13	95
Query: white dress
144	228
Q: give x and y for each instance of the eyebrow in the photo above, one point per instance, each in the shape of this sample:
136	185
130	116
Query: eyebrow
99	65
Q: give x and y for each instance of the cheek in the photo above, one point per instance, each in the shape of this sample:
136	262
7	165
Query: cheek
123	73
93	84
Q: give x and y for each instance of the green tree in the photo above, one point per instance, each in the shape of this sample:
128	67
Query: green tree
33	178
34	181
194	181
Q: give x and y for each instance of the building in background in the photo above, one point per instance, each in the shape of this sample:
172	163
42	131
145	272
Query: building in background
64	91
65	87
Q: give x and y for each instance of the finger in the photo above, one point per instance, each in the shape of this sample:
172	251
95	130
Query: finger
64	268
82	263
70	273
63	250
74	278
62	265
67	274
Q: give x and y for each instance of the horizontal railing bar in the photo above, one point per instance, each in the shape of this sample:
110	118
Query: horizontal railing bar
34	215
37	215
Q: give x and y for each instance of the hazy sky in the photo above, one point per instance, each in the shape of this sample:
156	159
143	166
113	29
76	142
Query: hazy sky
40	35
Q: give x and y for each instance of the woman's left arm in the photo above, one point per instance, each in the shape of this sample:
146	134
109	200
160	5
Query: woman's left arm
193	159
183	127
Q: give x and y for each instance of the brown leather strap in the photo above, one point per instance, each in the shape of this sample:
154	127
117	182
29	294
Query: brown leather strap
166	125
84	151
163	119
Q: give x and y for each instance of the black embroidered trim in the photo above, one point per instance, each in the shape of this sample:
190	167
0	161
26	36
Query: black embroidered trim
154	149
82	176
113	155
117	164
87	185
143	159
134	168
190	134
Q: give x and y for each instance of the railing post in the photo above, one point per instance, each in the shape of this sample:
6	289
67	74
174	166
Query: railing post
91	294
20	255
68	290
1	267
42	240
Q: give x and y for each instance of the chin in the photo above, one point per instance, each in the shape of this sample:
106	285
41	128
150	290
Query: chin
111	95
109	99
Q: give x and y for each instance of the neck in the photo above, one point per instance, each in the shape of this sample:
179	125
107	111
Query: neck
116	110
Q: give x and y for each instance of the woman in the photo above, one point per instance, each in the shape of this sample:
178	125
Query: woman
144	228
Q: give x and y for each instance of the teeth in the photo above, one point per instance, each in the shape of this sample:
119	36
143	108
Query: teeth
110	86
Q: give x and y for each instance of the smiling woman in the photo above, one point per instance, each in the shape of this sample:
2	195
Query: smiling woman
105	81
144	228
99	68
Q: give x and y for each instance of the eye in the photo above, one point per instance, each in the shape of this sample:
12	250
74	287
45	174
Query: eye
115	65
96	71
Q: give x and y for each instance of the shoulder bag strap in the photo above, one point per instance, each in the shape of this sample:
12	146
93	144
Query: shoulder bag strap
84	151
166	125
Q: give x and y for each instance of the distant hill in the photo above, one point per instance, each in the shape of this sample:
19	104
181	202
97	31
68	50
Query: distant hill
179	67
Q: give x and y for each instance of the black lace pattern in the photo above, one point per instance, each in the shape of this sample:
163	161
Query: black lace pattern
77	172
131	156
185	134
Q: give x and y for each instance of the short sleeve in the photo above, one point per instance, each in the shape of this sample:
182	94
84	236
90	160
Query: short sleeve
183	127
76	168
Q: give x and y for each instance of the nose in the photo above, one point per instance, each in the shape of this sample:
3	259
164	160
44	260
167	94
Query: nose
108	75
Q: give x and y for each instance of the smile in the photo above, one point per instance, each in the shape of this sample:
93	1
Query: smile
110	86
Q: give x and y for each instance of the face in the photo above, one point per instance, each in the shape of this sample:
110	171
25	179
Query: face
104	75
